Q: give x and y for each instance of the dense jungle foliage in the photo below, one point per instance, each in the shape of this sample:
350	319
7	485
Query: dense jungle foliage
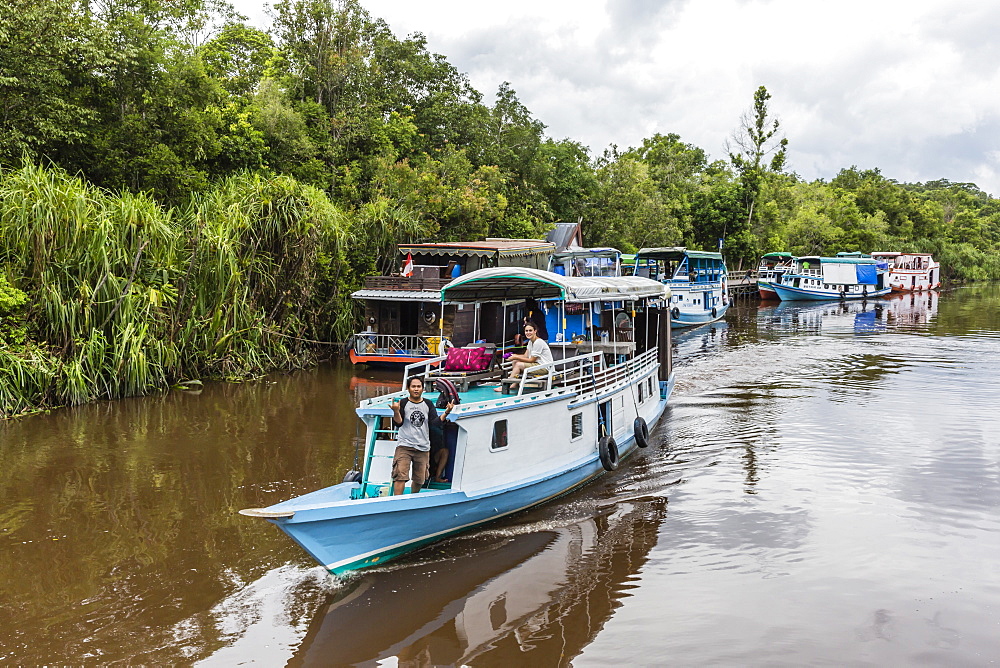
184	195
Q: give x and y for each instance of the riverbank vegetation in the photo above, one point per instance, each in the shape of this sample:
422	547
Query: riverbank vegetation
183	195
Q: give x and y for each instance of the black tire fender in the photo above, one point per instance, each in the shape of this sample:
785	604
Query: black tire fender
607	449
675	313
641	431
715	312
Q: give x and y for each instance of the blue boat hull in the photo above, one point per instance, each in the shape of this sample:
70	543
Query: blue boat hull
345	535
700	317
786	293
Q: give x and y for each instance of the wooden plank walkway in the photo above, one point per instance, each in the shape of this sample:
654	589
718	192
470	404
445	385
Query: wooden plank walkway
743	285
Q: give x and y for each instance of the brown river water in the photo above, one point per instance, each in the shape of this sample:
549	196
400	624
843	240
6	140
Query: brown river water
824	489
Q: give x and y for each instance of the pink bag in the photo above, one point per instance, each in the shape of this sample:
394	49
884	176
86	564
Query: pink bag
467	359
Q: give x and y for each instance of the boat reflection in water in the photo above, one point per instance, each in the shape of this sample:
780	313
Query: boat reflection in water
904	310
897	311
539	596
860	316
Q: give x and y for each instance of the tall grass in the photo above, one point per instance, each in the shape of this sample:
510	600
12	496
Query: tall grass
126	296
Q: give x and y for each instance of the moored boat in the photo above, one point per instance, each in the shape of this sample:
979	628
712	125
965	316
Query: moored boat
847	276
772	267
697	281
566	423
911	272
405	320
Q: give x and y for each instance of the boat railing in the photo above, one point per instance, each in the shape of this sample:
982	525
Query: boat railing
587	372
405	283
560	373
632	368
368	343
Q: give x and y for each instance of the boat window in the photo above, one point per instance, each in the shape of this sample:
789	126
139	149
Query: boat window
499	435
576	422
650	386
642	390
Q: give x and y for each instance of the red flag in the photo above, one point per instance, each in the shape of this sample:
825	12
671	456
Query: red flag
408	266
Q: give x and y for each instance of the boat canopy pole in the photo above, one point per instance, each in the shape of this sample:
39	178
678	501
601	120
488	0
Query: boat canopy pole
503	327
614	332
562	310
440	330
590	324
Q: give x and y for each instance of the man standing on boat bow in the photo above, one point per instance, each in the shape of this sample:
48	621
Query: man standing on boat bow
413	417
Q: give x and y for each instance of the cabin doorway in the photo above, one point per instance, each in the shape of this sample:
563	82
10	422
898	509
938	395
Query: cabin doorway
398	318
388	318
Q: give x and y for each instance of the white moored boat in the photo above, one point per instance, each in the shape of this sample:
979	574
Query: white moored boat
697	281
566	423
911	272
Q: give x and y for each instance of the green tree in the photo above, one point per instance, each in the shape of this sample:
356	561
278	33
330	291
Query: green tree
757	152
629	212
237	58
566	179
49	55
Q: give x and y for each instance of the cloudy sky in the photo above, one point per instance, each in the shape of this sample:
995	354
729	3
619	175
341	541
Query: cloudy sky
912	88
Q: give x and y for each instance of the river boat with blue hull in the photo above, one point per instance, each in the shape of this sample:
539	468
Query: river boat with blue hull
772	267
564	424
847	276
697	281
405	321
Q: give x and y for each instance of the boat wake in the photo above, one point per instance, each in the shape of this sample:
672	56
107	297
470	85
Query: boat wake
266	618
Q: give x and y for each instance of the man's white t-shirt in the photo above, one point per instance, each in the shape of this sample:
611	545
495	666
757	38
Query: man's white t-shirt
539	349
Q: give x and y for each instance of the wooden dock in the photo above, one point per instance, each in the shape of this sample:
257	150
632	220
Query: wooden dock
743	285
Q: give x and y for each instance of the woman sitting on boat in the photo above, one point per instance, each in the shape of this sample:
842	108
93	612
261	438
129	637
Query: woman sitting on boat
536	353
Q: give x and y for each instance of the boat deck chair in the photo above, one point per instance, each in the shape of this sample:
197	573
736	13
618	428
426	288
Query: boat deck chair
508	384
474	363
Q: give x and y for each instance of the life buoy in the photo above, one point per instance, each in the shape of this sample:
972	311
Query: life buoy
448	390
641	431
607	449
675	313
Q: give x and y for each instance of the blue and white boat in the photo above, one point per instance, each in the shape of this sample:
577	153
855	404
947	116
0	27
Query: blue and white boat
565	424
697	281
847	276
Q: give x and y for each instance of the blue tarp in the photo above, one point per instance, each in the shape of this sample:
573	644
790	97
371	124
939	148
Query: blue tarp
867	274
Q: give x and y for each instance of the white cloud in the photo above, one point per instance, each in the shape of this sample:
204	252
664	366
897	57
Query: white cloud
908	88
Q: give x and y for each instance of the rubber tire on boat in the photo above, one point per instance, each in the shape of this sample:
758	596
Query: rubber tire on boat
675	313
607	449
864	293
352	476
843	294
641	431
715	312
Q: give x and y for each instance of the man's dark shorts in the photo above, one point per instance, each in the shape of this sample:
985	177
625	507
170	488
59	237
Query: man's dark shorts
405	458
